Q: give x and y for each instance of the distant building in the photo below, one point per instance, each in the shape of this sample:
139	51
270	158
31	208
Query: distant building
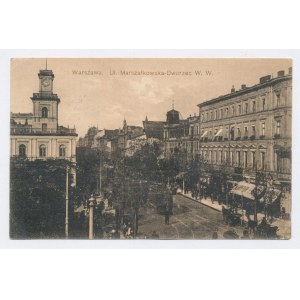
111	141
181	137
89	140
250	128
154	129
38	135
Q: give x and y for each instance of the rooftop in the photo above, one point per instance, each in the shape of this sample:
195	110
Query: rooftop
264	82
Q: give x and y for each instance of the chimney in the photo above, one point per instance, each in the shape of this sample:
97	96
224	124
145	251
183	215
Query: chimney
290	70
265	79
243	86
280	73
232	89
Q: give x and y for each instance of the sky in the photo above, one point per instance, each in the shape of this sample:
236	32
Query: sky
102	92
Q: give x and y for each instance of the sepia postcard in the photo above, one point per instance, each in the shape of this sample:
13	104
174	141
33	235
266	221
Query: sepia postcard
150	148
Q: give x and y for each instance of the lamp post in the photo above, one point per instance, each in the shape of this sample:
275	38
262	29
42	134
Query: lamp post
92	201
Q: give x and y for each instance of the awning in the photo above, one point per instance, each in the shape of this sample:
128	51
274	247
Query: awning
204	134
219	133
246	190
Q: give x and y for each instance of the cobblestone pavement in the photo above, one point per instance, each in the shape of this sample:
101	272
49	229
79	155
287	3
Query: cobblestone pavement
190	220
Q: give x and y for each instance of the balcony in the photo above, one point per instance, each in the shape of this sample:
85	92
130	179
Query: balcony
252	137
27	130
276	136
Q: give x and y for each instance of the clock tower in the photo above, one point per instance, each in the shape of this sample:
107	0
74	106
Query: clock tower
45	104
46	81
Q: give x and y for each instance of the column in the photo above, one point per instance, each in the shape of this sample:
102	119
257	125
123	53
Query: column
34	146
54	142
13	147
73	147
29	148
50	148
69	154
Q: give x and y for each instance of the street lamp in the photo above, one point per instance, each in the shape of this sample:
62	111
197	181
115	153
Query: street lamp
92	202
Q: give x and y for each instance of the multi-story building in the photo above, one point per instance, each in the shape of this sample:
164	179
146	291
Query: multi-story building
250	128
112	142
37	135
154	129
181	136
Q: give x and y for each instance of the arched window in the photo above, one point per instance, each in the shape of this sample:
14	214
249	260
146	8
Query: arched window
42	151
22	150
62	151
44	112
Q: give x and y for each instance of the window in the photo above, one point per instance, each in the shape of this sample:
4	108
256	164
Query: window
206	116
263	127
239	132
278	127
278	100
221	113
263	104
226	112
245	160
246	108
240	109
216	115
253	130
233	111
262	158
253	160
238	158
254	106
232	133
246	131
44	127
44	112
62	151
211	115
42	151
22	150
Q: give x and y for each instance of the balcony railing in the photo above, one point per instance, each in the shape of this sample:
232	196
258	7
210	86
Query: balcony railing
40	131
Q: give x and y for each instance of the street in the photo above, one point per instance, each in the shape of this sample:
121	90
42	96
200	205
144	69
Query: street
190	220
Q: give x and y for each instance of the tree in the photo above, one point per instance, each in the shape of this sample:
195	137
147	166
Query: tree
37	198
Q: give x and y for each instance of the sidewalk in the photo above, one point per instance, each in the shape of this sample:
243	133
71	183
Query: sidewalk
206	202
284	226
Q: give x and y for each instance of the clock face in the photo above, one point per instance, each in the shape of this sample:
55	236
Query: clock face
45	82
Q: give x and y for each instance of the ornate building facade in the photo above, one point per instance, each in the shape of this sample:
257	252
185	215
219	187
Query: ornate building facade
38	135
250	128
181	137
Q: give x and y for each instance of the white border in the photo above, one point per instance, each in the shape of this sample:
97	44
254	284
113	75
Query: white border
5	242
